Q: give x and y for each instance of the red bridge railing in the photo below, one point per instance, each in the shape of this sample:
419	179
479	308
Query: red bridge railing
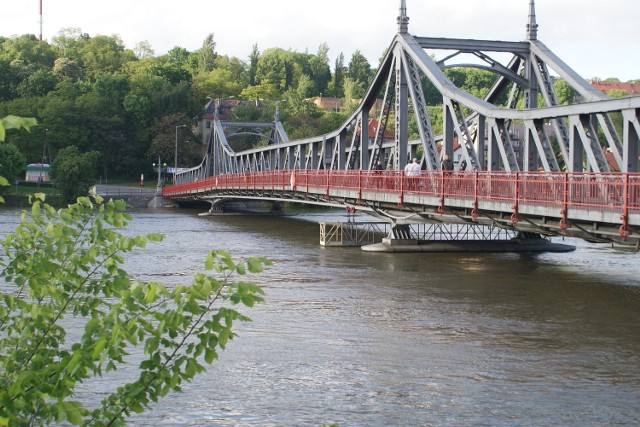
611	191
606	192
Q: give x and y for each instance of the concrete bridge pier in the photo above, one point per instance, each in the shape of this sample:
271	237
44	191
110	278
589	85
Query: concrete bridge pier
156	202
215	208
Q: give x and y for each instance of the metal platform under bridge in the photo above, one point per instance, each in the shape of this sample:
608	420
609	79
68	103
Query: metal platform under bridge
380	237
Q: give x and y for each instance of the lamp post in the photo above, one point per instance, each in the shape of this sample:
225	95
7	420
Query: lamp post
276	116
276	119
175	169
159	170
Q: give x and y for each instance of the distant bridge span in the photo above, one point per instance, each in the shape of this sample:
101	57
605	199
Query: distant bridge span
579	179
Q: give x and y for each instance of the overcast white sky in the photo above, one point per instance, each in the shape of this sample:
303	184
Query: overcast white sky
596	38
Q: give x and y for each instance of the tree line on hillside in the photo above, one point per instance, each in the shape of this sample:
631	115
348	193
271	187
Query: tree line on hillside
94	94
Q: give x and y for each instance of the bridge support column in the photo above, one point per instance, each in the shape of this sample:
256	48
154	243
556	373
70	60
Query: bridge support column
215	209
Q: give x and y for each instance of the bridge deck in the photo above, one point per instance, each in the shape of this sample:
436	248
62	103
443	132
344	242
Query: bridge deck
588	205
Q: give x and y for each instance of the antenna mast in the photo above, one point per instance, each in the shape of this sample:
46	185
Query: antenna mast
532	26
40	20
403	19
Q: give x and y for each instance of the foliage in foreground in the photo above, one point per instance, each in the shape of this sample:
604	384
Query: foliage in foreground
6	163
65	266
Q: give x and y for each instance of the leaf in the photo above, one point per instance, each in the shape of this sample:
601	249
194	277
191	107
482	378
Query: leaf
223	337
100	345
255	264
73	411
72	366
92	326
136	407
240	269
208	262
190	369
210	355
35	209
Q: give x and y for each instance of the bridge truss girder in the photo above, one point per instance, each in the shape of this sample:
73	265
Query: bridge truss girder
582	134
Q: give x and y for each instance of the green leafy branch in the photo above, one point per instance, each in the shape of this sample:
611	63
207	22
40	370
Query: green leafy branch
64	266
13	122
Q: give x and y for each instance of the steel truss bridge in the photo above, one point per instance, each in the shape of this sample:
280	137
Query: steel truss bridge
578	179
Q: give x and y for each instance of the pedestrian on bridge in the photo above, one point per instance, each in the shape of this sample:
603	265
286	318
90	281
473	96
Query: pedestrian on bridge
412	171
447	167
447	164
407	168
377	170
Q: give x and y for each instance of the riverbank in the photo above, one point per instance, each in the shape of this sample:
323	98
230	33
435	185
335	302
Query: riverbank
22	200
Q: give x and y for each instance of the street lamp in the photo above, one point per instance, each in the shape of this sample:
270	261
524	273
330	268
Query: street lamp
175	169
276	116
159	170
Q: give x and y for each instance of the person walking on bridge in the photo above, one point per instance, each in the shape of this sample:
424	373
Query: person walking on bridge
412	170
377	170
447	167
447	164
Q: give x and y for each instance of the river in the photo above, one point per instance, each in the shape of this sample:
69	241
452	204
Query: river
427	339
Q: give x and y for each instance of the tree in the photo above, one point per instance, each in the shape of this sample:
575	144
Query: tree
297	99
178	55
353	91
8	80
261	91
37	84
303	126
207	54
12	122
143	50
74	172
163	142
102	54
238	69
617	93
217	83
66	264
65	67
29	49
564	92
12	162
274	67
68	40
29	143
111	89
477	82
253	64
320	70
338	76
359	70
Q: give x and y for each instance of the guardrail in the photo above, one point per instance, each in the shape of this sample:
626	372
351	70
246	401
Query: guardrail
613	191
617	193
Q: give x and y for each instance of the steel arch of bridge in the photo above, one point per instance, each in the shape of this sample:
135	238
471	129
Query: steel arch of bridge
583	132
